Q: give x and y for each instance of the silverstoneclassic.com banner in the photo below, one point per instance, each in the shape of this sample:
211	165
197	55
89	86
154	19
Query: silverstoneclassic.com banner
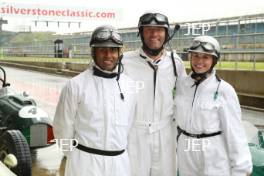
55	12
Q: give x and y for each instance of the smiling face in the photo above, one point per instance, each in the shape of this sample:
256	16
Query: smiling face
106	57
201	62
154	36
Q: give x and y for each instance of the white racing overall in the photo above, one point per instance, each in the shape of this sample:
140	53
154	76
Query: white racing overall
152	140
202	110
91	111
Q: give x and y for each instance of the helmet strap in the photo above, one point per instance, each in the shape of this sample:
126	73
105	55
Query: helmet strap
199	76
152	52
120	65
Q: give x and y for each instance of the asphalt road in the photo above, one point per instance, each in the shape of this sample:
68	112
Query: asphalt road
46	89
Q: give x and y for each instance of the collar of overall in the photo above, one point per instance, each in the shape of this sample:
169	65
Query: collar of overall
104	74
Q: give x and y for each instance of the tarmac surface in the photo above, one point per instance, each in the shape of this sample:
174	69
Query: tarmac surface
45	88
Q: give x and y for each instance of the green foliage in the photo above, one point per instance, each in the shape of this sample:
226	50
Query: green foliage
235	65
28	37
5	37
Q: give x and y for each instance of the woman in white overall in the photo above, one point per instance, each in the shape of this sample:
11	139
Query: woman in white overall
211	139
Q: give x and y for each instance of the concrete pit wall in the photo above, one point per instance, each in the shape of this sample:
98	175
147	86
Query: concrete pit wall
249	85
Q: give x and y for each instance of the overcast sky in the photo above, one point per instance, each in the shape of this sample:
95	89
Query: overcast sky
176	10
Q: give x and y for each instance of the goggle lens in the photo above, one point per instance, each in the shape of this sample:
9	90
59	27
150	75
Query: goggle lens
159	18
104	35
205	45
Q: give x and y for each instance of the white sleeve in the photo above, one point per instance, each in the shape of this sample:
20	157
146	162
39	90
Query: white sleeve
234	134
63	123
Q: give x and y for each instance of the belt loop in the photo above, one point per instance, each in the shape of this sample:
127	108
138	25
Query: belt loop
179	132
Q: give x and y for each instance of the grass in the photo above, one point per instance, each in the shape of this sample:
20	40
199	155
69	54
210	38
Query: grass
220	65
235	65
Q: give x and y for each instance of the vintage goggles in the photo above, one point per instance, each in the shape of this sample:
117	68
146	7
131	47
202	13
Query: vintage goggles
107	34
159	18
208	47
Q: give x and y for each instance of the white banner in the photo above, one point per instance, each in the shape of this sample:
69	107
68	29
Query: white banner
57	13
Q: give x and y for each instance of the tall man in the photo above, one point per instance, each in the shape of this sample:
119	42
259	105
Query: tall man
152	140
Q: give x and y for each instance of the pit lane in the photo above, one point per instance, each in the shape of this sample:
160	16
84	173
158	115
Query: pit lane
45	88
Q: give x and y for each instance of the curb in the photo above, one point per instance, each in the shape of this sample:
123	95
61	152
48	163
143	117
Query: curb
55	71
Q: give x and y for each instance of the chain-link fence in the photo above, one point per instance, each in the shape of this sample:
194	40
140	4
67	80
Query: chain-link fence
241	39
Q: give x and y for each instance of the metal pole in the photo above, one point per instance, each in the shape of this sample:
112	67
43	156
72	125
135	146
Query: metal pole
237	40
254	55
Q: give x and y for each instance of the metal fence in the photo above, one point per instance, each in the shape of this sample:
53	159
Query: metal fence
241	38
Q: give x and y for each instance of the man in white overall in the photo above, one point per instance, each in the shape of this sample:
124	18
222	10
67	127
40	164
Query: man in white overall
152	141
96	109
